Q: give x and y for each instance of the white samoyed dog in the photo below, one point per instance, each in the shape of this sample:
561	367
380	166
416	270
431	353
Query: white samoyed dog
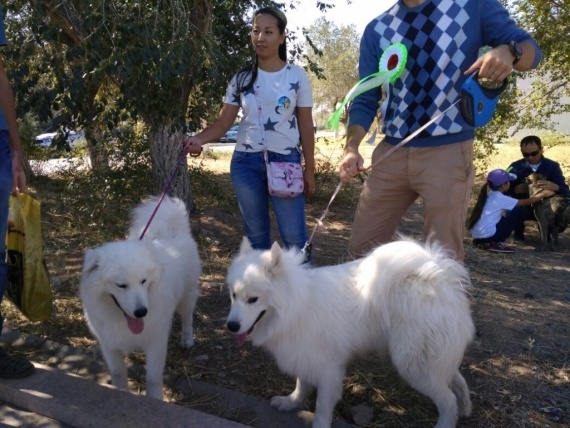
404	300
130	290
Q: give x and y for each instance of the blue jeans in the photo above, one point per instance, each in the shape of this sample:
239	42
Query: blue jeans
505	226
249	180
5	189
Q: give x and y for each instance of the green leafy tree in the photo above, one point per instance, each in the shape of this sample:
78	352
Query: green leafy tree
97	63
335	49
534	105
549	23
142	60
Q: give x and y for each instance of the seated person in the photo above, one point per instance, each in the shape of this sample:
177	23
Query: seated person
534	161
495	213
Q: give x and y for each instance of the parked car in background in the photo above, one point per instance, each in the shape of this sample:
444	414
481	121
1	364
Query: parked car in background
230	136
72	138
45	139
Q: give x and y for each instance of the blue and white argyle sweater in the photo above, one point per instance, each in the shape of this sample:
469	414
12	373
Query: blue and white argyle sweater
443	38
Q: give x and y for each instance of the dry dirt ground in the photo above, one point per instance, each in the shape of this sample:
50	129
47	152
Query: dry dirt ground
517	369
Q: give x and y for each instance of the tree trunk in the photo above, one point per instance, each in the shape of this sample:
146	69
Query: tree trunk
97	153
166	149
28	169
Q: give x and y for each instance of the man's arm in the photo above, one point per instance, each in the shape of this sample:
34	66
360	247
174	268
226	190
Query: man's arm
555	180
364	107
497	64
498	30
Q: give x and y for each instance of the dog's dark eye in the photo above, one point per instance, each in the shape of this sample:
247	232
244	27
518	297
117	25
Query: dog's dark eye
143	281
252	300
121	285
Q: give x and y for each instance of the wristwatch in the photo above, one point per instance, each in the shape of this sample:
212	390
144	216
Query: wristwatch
516	51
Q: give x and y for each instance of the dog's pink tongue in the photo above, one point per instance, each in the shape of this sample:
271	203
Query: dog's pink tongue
136	325
241	338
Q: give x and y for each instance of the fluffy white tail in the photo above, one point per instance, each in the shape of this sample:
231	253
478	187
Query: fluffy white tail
170	220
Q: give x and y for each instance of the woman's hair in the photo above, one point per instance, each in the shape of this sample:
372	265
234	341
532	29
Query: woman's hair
247	75
478	208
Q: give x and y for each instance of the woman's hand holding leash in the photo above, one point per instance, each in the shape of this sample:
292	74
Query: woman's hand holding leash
192	146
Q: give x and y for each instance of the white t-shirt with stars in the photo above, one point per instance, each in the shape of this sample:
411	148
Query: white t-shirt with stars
279	94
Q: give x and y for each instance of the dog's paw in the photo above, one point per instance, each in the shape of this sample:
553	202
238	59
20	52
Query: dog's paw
284	403
186	342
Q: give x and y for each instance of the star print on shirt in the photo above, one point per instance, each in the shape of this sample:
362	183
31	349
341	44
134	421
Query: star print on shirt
269	126
250	91
293	123
247	146
236	98
294	86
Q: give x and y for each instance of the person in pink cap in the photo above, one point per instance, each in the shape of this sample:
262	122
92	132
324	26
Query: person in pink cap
495	214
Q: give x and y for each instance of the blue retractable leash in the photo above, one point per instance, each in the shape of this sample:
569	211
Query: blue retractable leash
477	103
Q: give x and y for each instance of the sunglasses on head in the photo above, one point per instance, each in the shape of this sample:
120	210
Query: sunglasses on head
531	154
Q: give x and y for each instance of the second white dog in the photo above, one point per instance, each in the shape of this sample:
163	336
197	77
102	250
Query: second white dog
131	289
404	300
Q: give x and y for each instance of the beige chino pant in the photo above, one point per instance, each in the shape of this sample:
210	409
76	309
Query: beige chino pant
442	176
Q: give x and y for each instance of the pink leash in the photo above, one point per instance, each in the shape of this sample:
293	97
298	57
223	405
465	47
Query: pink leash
166	189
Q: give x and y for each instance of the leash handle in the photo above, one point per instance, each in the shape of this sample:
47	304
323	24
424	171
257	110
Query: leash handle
164	192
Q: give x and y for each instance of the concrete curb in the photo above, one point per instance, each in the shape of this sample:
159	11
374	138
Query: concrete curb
82	403
70	386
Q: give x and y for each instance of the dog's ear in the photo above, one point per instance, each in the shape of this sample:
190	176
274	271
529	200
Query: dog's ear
245	246
91	261
274	260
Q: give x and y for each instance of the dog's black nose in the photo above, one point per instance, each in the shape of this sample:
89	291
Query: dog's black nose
233	326
140	312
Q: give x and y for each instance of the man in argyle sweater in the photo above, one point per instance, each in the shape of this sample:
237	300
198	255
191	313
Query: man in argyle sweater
443	39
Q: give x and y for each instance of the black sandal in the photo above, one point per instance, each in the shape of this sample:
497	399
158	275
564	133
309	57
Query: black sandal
14	367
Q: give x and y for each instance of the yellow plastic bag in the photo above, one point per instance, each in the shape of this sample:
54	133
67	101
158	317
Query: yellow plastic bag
28	285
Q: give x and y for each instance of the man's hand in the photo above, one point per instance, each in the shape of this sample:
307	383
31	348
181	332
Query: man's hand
351	165
544	194
548	185
495	65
